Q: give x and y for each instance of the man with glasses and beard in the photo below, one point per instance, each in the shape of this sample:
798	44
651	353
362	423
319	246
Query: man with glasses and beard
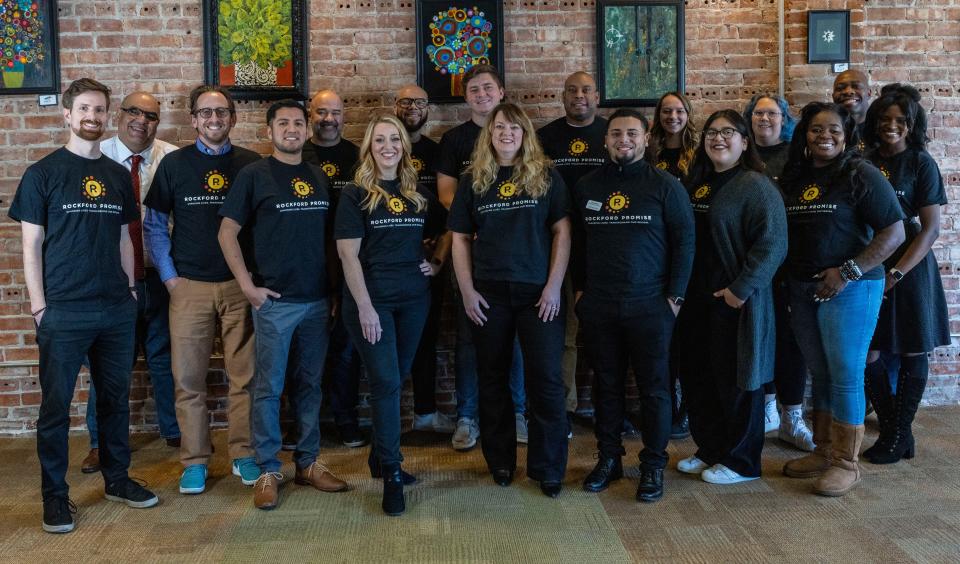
412	107
74	207
190	185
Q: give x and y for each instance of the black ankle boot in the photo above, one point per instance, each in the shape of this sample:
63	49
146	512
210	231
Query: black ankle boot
877	386
393	503
909	394
377	472
607	470
651	484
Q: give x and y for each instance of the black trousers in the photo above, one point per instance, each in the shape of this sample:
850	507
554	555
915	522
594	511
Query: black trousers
790	371
726	421
512	314
65	338
424	369
637	332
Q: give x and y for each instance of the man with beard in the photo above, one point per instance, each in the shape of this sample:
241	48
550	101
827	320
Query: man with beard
631	274
287	202
412	107
136	148
74	207
190	185
575	143
336	157
851	89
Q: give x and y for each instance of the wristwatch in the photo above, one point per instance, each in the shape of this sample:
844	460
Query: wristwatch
896	274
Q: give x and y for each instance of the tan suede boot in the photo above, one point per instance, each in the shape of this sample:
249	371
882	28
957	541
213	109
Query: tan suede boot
844	472
818	461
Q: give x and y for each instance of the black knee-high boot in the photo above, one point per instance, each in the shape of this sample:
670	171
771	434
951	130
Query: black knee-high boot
877	385
910	386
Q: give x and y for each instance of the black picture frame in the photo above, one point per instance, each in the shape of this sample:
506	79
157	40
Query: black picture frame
254	81
828	36
441	83
35	67
634	66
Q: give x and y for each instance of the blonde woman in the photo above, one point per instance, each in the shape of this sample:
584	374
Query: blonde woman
511	244
381	222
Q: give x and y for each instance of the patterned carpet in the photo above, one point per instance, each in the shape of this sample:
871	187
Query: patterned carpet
907	512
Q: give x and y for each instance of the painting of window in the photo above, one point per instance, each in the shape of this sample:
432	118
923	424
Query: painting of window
29	58
639	50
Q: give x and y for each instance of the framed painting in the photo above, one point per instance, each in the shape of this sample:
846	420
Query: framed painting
639	50
452	37
256	48
29	54
828	36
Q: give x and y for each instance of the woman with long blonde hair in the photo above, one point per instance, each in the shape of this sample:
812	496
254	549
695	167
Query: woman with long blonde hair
511	244
673	137
381	222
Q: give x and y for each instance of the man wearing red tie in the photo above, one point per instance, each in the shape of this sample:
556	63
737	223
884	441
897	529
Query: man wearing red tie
136	148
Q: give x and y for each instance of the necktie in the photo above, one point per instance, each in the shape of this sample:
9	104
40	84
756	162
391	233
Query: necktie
136	227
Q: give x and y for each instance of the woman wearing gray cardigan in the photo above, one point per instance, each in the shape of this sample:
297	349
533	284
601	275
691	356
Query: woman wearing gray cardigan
726	326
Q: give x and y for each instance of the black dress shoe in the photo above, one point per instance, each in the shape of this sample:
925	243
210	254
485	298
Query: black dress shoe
651	484
393	503
606	471
551	488
376	471
503	477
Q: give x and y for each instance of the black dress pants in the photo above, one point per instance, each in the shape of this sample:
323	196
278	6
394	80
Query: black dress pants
512	313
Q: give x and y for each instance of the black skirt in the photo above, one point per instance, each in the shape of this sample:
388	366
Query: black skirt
913	316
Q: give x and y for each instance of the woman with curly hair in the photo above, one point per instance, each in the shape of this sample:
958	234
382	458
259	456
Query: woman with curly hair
844	221
511	244
913	318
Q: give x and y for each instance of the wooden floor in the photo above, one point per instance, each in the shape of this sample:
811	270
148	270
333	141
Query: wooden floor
906	512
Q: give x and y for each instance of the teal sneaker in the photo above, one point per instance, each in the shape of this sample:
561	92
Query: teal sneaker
194	479
247	469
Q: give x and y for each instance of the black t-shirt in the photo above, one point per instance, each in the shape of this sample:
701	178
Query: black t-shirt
456	146
915	178
513	230
82	205
575	151
775	157
338	162
639	232
426	155
669	160
708	276
392	236
826	228
285	207
192	186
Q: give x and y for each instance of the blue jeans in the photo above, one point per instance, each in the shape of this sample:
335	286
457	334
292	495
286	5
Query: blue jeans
153	336
388	362
279	325
466	367
834	337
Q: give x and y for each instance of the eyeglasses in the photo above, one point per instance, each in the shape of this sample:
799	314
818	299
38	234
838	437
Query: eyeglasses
768	115
726	133
410	102
136	112
207	113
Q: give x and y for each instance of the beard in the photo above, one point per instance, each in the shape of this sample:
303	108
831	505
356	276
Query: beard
413	128
86	134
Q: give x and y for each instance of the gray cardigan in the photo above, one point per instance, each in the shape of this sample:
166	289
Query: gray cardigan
748	223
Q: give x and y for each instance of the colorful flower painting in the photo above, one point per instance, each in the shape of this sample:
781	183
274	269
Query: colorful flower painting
28	47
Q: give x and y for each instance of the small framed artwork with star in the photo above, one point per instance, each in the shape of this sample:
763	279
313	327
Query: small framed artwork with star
828	36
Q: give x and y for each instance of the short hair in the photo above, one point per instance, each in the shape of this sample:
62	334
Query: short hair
280	104
629	113
81	85
203	89
789	122
482	69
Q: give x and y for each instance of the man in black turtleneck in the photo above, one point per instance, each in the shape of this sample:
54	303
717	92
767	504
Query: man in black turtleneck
630	274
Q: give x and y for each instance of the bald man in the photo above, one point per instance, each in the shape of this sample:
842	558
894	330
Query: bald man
337	157
851	88
137	121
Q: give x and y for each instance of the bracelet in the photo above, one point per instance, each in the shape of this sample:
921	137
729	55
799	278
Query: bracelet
850	271
39	311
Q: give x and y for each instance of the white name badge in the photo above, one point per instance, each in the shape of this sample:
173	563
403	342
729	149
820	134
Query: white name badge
594	205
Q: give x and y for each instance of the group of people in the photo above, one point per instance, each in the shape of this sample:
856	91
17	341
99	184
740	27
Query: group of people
732	259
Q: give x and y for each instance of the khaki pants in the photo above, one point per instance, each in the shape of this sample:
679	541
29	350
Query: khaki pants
570	346
194	309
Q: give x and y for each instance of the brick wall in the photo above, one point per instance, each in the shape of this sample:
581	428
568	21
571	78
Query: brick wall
366	49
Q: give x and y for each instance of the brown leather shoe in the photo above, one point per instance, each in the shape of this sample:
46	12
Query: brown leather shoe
818	461
844	472
320	477
91	463
266	490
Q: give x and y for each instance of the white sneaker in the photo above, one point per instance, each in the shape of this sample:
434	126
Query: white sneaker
466	435
794	430
720	474
435	422
522	435
771	417
692	465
